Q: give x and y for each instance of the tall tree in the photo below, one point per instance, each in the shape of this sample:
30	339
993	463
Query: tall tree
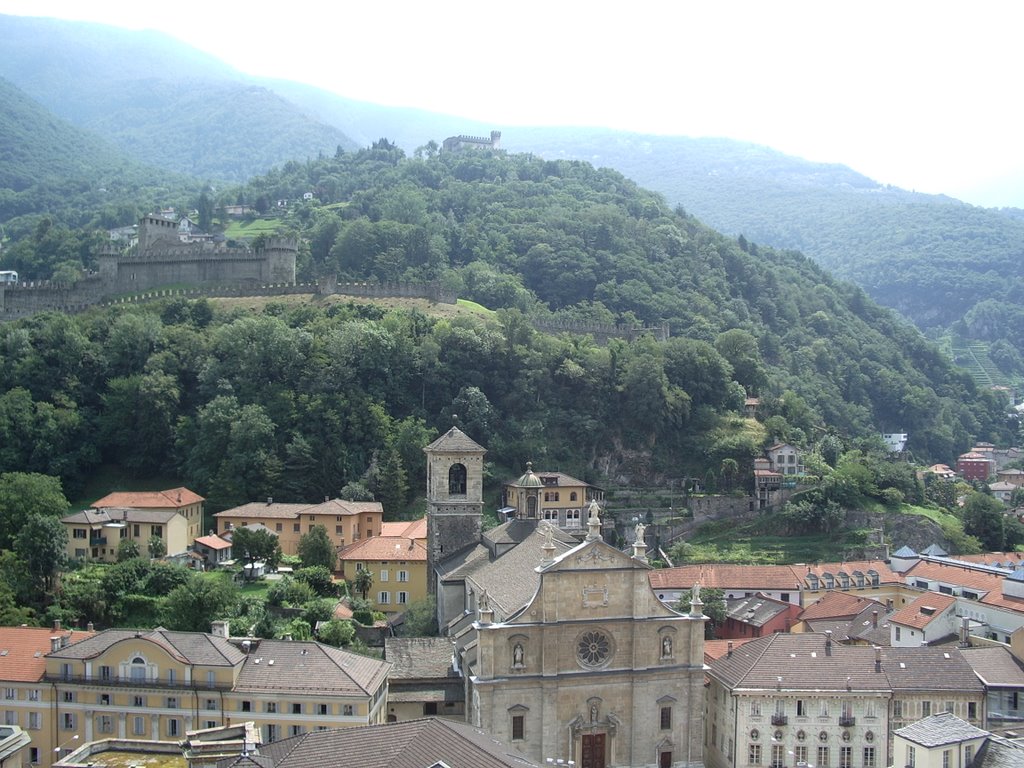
316	548
24	495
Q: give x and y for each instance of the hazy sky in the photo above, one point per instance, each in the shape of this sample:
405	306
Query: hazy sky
922	95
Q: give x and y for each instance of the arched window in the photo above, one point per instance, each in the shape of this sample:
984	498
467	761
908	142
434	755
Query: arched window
457	480
138	671
572	496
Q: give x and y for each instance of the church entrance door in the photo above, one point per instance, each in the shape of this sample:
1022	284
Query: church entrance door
593	751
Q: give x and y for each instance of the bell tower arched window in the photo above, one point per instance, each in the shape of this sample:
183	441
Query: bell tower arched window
457	480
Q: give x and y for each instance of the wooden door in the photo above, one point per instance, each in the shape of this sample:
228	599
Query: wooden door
593	751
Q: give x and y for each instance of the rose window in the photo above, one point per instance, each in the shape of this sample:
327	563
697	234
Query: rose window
593	648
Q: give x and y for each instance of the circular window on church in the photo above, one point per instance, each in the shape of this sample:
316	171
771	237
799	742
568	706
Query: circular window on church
593	649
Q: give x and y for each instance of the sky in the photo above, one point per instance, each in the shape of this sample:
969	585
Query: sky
922	95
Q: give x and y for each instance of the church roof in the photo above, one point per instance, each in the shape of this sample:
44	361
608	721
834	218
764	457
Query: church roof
454	441
528	479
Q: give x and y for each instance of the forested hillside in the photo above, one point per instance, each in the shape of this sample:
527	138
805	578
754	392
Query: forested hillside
159	101
301	400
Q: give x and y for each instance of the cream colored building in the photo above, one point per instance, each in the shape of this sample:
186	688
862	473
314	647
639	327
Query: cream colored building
156	685
553	496
175	515
939	741
345	521
787	699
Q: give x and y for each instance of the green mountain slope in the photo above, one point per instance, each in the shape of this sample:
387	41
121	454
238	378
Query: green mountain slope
172	107
48	166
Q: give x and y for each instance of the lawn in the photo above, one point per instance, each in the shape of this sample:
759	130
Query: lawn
243	230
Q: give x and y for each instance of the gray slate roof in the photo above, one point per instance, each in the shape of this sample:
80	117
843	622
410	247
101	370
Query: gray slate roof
120	515
938	730
409	744
309	667
802	662
419	657
188	647
756	610
455	441
998	752
995	667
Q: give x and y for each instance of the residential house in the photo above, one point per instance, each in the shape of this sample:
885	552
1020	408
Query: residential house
423	680
930	619
186	503
1014	477
756	616
941	740
96	534
975	466
553	496
398	566
941	471
785	459
793	699
895	441
27	698
1003	677
345	521
1002	490
158	684
214	550
852	619
766	482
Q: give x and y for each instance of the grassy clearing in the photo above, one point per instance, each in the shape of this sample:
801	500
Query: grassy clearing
747	542
472	306
240	230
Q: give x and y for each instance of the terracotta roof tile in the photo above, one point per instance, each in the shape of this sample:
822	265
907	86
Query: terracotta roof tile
727	576
838	605
922	611
213	542
22	651
170	499
385	548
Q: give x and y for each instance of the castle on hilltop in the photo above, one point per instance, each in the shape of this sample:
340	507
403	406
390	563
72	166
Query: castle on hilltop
161	257
462	143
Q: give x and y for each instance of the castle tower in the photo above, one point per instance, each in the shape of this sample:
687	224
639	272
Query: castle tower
455	488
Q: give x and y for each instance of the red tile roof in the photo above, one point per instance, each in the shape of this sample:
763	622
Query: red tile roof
726	576
23	651
837	605
171	499
923	611
213	542
416	529
385	548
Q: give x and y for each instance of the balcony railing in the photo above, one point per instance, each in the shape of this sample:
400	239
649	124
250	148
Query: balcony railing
780	720
846	721
198	685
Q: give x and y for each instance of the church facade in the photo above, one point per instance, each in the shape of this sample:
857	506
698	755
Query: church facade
565	651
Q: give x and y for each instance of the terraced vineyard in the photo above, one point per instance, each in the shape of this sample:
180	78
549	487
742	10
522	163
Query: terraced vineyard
973	356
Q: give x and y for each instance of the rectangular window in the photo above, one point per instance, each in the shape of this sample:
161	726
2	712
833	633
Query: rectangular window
403	575
296	730
211	724
211	704
845	757
898	633
778	756
347	710
321	709
272	707
755	708
172	702
105	724
666	718
869	757
338	531
517	727
945	758
972	710
172	727
384	598
754	754
911	756
104	699
158	531
138	726
33	755
869	709
65	672
296	708
211	678
139	701
271	733
297	528
926	709
822	757
800	755
69	696
383	575
951	707
172	676
68	721
80	533
801	708
35	721
278	527
897	708
10	693
247	706
10	717
33	694
968	755
403	598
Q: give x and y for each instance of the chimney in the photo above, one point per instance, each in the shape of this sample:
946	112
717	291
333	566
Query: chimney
270	500
828	642
54	644
878	659
288	637
56	625
874	619
965	632
219	628
728	649
90	627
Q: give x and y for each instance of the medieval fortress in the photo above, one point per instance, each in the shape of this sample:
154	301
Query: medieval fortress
162	257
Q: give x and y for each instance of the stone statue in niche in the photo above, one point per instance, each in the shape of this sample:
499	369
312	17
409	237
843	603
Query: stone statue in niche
666	647
517	655
593	713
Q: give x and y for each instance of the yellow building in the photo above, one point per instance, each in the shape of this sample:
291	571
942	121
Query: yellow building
398	565
345	521
27	698
156	685
94	534
553	496
186	503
